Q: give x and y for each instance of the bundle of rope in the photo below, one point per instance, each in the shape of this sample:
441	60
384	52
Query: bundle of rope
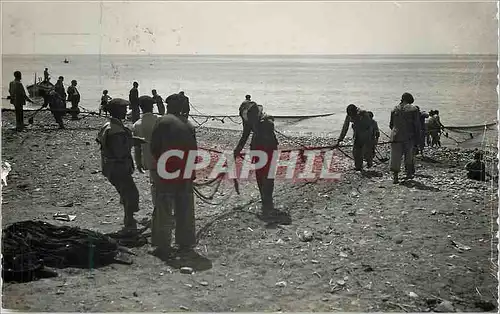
28	246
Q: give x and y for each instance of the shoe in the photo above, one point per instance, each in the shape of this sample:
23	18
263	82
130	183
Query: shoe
395	179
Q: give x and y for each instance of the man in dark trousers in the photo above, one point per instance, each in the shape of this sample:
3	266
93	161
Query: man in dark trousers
74	98
18	98
159	102
263	139
362	126
133	97
405	133
57	106
116	157
173	132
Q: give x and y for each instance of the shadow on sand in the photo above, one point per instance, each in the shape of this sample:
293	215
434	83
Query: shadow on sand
277	218
419	186
189	258
371	174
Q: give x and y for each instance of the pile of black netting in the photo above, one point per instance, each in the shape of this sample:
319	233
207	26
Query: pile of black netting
28	246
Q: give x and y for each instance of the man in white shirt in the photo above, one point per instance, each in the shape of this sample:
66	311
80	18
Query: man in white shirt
143	128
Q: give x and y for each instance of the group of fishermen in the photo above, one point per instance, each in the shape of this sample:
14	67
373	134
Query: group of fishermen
55	98
173	200
410	127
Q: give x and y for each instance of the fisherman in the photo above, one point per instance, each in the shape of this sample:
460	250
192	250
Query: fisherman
159	102
428	138
57	105
376	136
46	76
74	98
263	139
435	127
59	88
476	169
116	159
185	104
18	98
133	97
419	148
405	132
105	98
173	131
143	128
362	126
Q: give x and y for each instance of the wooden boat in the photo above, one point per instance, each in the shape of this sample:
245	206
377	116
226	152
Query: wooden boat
34	90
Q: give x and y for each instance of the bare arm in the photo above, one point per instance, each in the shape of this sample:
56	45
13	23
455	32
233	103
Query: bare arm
345	128
244	138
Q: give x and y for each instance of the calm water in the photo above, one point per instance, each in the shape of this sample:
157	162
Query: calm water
462	88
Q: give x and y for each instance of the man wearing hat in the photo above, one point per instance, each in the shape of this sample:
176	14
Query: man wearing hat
405	133
363	131
18	98
263	139
59	88
174	197
74	98
117	164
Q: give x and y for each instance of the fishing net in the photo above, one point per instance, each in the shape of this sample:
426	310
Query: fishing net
470	135
28	246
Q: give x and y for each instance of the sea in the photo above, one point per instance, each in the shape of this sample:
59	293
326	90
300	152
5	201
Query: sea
462	87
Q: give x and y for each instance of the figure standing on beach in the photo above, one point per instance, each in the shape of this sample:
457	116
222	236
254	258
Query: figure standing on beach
420	145
405	132
104	102
263	139
133	97
18	98
143	128
185	104
362	127
46	76
375	136
116	158
434	129
159	102
59	88
173	131
74	98
57	105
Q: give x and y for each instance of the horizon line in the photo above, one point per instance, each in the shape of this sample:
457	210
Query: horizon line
250	55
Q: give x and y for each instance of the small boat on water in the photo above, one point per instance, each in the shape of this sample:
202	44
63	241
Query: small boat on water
66	60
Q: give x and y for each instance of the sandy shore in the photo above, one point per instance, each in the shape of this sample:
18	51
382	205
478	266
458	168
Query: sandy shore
376	246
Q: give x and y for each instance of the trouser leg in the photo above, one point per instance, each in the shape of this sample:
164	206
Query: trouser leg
369	153
74	110
185	233
127	189
136	113
409	159
357	153
162	222
19	117
396	155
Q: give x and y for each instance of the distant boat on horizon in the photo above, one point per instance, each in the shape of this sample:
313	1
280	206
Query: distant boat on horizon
66	60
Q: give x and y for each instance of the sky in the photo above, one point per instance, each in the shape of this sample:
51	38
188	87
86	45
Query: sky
238	27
